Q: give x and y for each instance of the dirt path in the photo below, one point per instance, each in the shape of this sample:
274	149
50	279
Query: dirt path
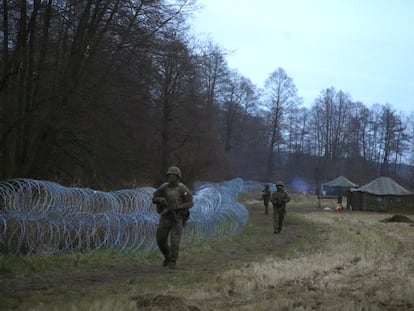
209	261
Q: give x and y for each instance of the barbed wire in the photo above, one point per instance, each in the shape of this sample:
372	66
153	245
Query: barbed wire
39	216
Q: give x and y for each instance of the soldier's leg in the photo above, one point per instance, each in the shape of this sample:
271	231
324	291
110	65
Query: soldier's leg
275	219
175	239
163	231
281	218
266	204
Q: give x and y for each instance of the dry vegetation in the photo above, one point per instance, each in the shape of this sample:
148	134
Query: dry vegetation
359	264
352	261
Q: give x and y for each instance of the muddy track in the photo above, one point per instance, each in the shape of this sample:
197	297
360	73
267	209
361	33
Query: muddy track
211	261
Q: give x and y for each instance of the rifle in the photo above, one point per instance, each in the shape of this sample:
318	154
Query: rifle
168	204
171	207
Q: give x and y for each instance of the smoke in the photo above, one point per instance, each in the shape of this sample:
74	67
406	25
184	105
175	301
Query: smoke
300	185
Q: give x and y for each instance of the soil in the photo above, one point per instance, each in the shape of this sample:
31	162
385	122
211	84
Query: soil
398	218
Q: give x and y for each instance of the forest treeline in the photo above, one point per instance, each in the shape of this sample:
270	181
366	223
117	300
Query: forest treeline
109	93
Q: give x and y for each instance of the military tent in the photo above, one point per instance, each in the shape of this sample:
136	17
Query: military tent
382	194
338	186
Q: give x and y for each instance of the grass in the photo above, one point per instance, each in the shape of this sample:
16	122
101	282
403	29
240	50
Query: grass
26	266
299	200
352	260
358	264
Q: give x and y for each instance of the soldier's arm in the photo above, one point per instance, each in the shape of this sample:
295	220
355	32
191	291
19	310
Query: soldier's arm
273	200
158	197
159	200
287	198
187	198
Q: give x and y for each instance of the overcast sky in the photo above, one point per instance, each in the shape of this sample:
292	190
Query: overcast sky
362	47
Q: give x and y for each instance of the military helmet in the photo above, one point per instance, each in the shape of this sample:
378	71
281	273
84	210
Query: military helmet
174	170
279	183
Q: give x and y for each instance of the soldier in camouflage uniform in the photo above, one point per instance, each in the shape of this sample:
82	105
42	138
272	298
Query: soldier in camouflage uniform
279	199
173	201
266	198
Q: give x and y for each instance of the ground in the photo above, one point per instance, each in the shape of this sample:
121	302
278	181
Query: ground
207	262
213	260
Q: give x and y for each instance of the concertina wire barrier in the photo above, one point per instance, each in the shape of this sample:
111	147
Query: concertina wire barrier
45	217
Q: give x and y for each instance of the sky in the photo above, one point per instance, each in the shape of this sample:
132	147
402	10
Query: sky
363	47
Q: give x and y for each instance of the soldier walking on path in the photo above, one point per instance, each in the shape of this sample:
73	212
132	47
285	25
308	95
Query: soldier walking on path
266	193
173	201
279	199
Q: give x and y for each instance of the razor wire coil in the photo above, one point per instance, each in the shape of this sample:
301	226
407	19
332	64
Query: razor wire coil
45	217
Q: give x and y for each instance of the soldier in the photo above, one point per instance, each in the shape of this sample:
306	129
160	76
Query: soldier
279	199
173	201
266	198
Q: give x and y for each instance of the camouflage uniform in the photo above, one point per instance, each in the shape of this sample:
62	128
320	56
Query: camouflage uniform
173	200
266	198
279	199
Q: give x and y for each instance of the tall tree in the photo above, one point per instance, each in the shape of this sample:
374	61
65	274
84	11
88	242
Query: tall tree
65	65
173	107
239	101
281	98
394	138
213	73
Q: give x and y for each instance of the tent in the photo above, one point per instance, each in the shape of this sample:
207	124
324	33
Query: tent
382	194
338	186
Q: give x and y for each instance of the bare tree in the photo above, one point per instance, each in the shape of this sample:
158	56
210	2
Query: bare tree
174	72
394	137
213	73
239	101
330	118
64	65
281	98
